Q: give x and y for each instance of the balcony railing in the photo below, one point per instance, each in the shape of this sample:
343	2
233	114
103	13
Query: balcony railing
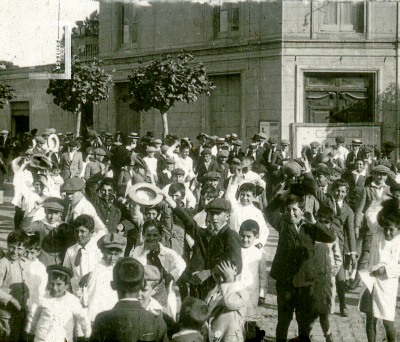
86	48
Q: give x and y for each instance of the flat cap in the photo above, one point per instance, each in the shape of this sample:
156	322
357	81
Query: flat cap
212	175
339	139
4	131
383	169
151	273
178	171
157	141
112	240
356	142
169	160
108	135
218	205
322	169
73	184
151	149
315	144
201	135
73	143
224	146
285	142
237	142
54	203
213	137
40	139
389	145
90	149
223	153
273	141
292	169
60	269
263	135
206	151
99	151
236	161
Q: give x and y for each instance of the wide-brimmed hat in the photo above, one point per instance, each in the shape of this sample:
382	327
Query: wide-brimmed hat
145	194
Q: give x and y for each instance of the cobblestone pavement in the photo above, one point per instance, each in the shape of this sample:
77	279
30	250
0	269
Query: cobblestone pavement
344	329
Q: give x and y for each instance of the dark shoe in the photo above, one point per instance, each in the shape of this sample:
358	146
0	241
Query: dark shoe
329	338
344	312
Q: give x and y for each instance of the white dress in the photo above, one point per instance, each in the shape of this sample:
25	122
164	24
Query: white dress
383	253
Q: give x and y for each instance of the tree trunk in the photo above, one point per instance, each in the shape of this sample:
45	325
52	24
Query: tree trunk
164	117
78	122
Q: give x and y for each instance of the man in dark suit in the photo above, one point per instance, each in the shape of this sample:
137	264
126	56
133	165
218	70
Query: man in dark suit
214	244
128	321
268	157
313	154
354	154
71	161
294	267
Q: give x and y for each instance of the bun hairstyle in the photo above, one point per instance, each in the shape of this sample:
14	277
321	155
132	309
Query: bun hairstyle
390	213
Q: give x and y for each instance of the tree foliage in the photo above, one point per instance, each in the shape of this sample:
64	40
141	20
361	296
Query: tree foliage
161	83
6	93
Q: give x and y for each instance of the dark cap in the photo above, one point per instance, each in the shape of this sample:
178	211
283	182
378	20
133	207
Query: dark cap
315	144
339	139
151	273
206	151
212	175
53	203
322	169
223	153
273	141
60	269
73	184
108	135
285	142
178	171
73	143
112	240
218	205
194	312
383	169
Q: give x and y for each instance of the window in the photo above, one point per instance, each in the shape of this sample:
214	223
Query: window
227	20
339	98
347	16
128	27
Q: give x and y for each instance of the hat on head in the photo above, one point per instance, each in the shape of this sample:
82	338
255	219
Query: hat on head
150	134
236	161
285	142
108	135
227	136
223	153
54	203
220	140
73	184
212	175
206	151
90	150
340	139
383	169
100	152
213	137
255	137
356	142
60	269
164	148
133	135
389	145
157	141
253	146
73	143
315	144
59	134
273	141
237	142
112	240
178	171
169	160
234	136
151	149
4	131
322	169
201	135
263	135
40	139
151	273
292	169
224	146
69	134
368	149
218	205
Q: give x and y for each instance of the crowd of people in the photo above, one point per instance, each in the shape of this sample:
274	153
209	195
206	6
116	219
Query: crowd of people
147	239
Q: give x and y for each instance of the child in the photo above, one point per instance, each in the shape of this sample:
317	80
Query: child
56	178
82	257
60	311
128	321
254	273
14	272
227	304
193	315
379	293
152	276
244	209
95	166
150	159
100	296
39	277
207	194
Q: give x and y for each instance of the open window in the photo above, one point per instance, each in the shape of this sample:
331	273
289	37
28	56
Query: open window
227	20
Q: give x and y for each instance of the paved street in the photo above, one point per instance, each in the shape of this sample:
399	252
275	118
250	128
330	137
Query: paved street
344	329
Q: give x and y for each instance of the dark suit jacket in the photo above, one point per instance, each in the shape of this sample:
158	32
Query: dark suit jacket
71	169
223	171
202	170
355	188
293	259
342	224
128	322
351	158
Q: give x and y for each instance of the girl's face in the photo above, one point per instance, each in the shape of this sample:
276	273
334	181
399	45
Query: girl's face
390	231
246	198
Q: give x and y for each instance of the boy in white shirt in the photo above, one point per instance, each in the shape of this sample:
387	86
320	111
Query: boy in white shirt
100	295
152	278
150	159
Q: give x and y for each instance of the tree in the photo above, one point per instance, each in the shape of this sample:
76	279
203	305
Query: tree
88	84
6	93
161	83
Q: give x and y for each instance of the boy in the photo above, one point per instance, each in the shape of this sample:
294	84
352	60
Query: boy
100	296
60	312
193	315
254	274
292	267
128	321
95	166
150	159
82	257
205	164
14	272
226	304
152	277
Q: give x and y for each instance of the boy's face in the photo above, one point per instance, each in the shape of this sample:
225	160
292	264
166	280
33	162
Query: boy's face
340	193
380	178
314	149
107	192
217	275
178	178
390	231
185	153
170	166
212	182
38	187
151	214
207	158
53	216
359	166
145	295
246	198
177	196
207	198
56	172
99	157
294	213
74	196
247	238
16	251
151	154
32	253
111	255
218	219
223	159
82	235
57	287
151	237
